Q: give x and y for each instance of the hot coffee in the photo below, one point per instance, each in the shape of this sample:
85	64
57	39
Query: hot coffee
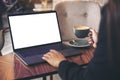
81	31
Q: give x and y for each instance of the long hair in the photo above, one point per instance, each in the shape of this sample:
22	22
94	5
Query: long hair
113	32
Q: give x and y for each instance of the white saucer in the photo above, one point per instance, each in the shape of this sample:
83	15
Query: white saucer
83	42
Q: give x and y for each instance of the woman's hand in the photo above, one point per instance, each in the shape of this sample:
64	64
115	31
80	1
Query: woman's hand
53	57
93	38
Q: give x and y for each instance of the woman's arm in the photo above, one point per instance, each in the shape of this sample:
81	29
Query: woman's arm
67	70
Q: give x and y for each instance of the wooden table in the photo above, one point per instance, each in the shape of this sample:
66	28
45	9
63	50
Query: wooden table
12	68
7	67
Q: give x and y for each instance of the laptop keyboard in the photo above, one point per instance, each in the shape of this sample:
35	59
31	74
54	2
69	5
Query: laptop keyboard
34	55
40	50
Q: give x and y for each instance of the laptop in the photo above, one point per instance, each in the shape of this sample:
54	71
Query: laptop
34	34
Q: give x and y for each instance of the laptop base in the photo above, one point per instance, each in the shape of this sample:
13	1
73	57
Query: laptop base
37	59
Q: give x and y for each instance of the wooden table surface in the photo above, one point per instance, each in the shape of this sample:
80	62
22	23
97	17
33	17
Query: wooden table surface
7	67
12	68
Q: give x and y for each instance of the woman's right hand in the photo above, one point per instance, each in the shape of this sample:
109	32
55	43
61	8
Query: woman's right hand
93	35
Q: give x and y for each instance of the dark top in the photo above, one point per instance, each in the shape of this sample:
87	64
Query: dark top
98	68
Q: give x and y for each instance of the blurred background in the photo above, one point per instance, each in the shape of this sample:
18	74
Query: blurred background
38	5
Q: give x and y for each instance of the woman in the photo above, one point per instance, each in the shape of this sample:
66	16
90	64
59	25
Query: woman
106	62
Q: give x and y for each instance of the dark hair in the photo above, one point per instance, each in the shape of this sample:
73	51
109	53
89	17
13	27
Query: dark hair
113	31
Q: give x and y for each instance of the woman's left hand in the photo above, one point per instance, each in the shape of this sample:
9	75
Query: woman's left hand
54	58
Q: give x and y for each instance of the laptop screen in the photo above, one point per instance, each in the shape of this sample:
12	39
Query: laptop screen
34	29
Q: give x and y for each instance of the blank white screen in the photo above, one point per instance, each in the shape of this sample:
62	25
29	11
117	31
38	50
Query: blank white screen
34	29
